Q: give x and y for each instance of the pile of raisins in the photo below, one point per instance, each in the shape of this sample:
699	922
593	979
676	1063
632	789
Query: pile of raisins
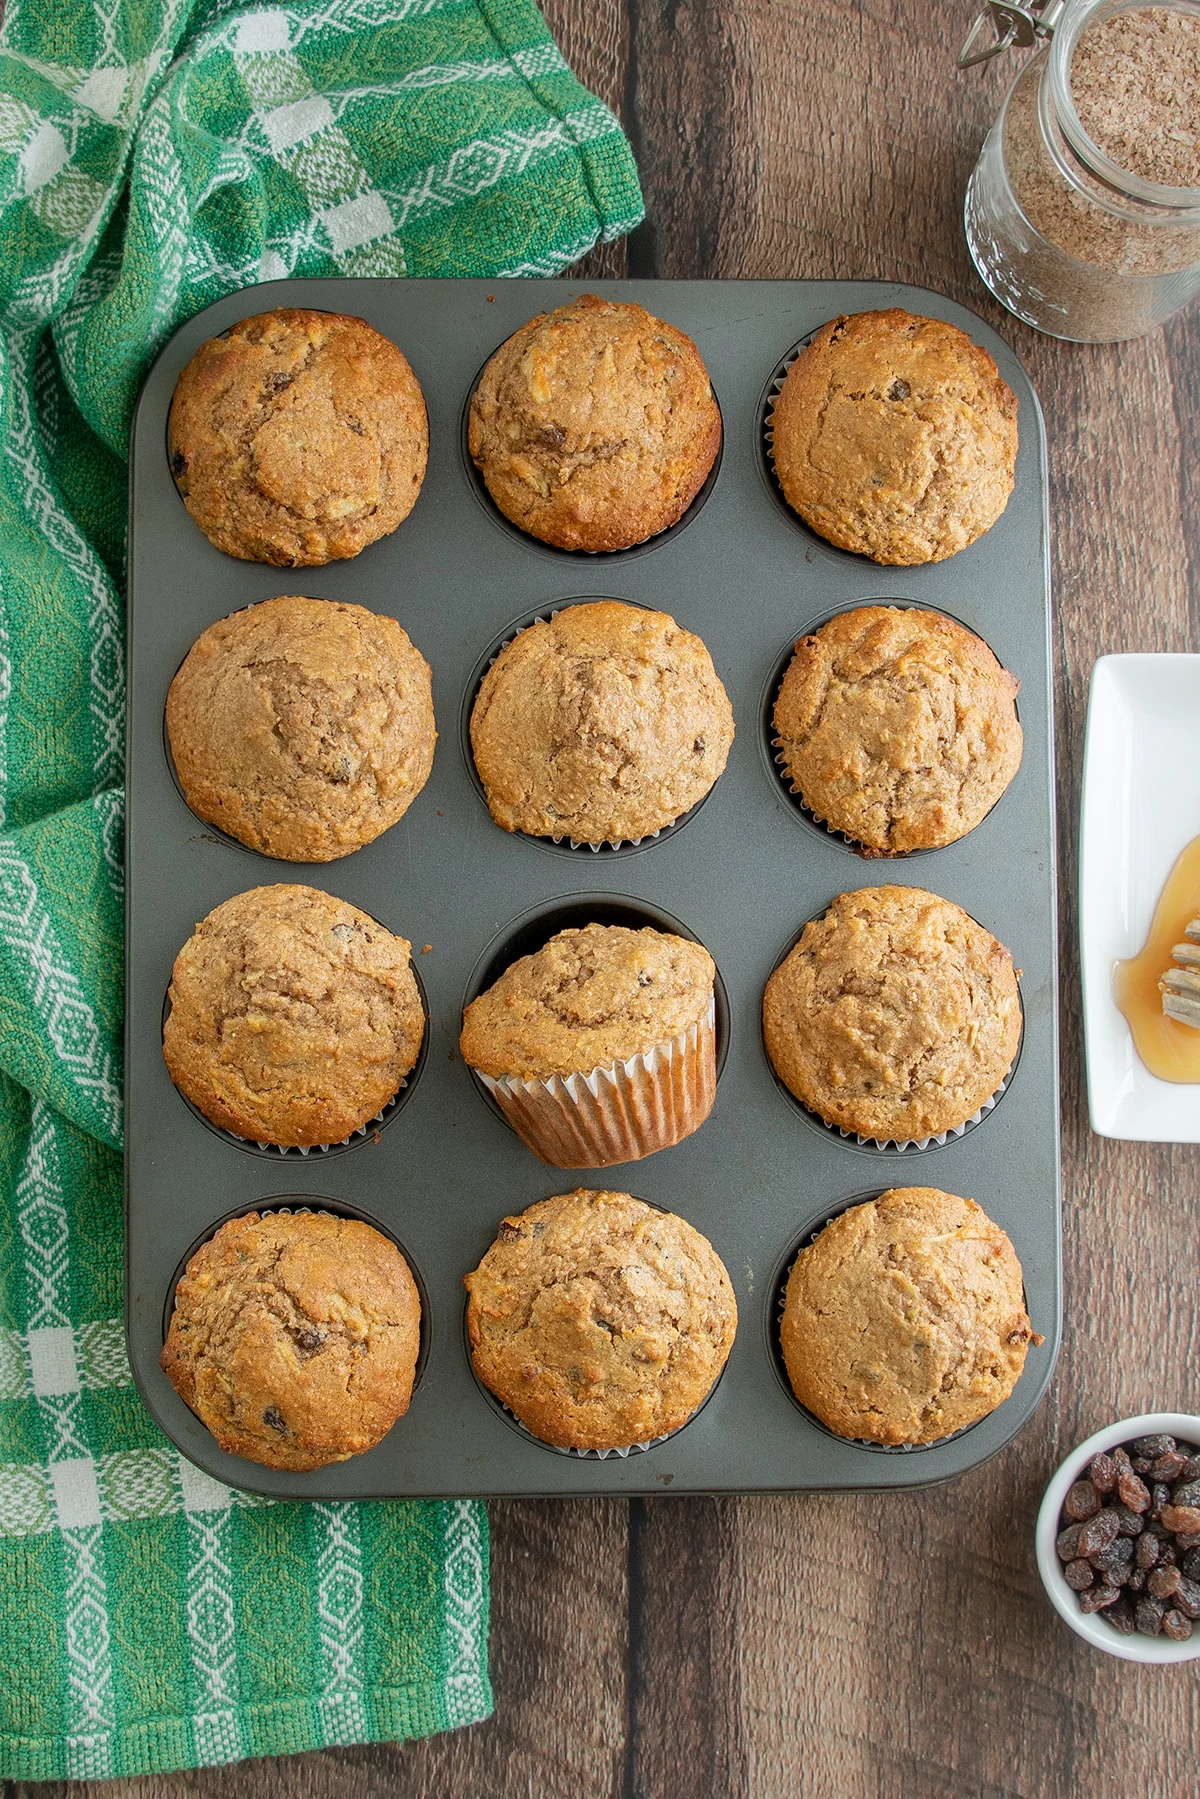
1130	1538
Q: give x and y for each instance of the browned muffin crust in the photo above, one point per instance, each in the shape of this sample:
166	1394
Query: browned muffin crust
294	1338
600	1321
898	727
896	1015
895	436
904	1321
294	1017
594	426
302	727
298	437
590	997
604	723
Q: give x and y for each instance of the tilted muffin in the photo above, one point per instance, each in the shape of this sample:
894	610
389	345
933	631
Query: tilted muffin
294	1017
897	727
599	1321
604	723
298	437
594	426
302	727
904	1321
895	436
294	1338
601	1046
896	1016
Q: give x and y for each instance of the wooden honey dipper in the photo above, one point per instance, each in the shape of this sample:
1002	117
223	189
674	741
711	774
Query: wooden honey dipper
1180	986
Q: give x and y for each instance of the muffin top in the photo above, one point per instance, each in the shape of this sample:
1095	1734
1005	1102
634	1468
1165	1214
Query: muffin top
604	723
895	1016
898	727
895	436
294	1338
302	727
905	1320
594	426
600	1321
293	1017
590	997
298	437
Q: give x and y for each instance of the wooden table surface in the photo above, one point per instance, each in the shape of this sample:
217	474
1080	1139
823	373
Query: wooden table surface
895	1644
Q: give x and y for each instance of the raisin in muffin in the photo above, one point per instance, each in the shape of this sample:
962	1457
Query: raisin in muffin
594	426
897	727
294	1338
302	727
298	437
896	1016
599	1321
895	436
604	723
635	1004
904	1320
294	1017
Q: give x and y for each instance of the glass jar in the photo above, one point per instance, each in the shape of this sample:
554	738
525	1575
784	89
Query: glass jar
1066	239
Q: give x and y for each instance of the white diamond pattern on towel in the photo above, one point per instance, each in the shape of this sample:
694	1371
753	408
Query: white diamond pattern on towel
340	1614
464	1594
210	1618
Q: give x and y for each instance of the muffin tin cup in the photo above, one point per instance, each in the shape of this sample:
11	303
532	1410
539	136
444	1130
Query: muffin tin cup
618	1113
740	570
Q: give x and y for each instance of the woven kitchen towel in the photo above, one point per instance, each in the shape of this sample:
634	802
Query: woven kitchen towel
155	154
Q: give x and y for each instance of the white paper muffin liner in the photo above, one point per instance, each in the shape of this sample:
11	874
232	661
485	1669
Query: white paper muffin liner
618	1113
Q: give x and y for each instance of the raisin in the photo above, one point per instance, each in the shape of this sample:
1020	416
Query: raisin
1185	1543
1098	1532
1191	1468
1186	1492
310	1339
1082	1501
274	1417
1162	1582
1152	1446
1182	1518
899	390
1120	1616
1134	1492
1149	1616
1168	1555
698	747
1137	1580
1177	1627
1066	1544
1168	1466
1159	1496
1140	1464
1191	1564
1096	1598
1131	1524
1079	1576
1118	1554
1147	1550
1187	1597
1121	1458
1102	1472
178	464
1117	1577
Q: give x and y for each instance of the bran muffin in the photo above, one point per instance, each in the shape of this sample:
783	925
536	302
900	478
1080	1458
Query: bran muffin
294	1017
897	727
599	1321
294	1338
896	1016
601	1046
905	1319
604	723
298	437
594	426
895	436
302	727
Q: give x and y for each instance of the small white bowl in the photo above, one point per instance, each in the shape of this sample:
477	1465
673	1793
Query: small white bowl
1091	1625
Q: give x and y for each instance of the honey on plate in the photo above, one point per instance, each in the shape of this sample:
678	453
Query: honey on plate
1169	1049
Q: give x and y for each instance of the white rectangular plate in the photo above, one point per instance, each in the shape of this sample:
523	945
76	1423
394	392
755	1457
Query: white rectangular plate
1141	807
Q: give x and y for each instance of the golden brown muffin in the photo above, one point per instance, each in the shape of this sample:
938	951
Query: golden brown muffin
905	1320
600	1321
302	727
294	1017
895	436
298	437
898	727
896	1016
594	426
294	1338
604	723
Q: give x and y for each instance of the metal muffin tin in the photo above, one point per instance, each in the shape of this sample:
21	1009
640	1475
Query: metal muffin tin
743	875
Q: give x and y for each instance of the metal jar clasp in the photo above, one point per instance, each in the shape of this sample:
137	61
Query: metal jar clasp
1003	26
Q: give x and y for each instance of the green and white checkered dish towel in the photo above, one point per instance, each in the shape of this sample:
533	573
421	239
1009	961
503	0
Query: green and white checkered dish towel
154	155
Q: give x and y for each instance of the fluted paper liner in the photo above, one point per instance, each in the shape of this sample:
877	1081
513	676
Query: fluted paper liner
619	1113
